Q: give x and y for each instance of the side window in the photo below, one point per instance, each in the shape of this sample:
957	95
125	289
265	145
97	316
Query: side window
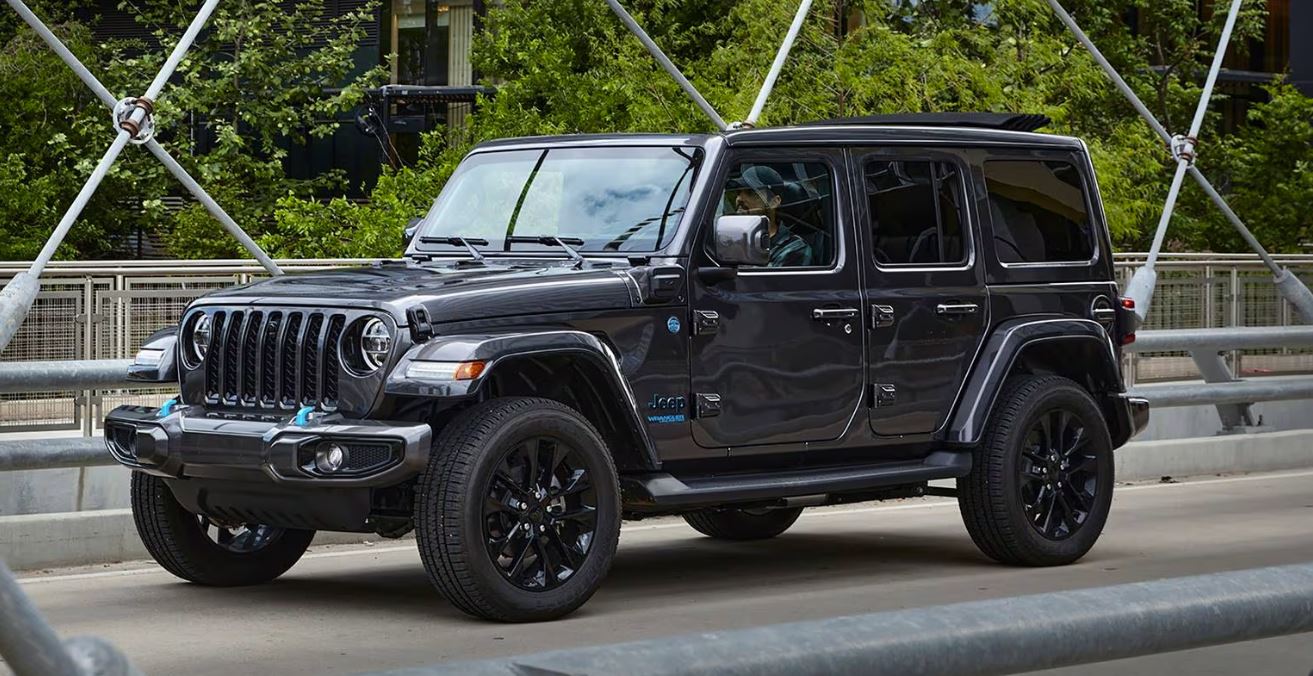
1038	211
916	212
798	200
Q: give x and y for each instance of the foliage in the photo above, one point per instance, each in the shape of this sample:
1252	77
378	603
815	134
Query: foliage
252	87
568	66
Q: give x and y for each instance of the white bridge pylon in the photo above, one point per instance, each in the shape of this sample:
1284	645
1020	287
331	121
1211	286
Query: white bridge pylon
134	123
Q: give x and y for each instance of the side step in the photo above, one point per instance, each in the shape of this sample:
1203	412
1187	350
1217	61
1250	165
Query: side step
659	491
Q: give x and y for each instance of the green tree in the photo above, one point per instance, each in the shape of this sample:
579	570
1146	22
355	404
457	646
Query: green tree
265	76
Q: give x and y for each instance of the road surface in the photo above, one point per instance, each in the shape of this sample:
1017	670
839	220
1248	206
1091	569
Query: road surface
357	609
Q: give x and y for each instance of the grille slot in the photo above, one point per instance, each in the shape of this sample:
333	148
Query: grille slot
231	363
275	359
311	348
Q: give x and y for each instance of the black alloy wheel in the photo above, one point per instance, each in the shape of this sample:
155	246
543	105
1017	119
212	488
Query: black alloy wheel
1059	474
1040	487
540	514
517	517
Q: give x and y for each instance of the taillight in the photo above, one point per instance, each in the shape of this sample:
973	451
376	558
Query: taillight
1128	319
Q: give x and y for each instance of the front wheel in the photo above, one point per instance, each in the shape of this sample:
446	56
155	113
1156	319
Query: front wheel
518	515
199	550
1040	486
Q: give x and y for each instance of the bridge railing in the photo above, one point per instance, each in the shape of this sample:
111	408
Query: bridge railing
104	310
1041	631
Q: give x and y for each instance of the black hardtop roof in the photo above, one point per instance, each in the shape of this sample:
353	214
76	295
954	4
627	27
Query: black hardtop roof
966	128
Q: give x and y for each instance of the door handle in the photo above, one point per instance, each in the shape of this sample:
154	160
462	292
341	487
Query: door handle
829	314
957	308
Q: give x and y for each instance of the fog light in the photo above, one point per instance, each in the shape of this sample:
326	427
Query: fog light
330	458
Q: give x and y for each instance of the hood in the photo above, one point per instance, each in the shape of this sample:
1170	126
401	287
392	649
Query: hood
449	293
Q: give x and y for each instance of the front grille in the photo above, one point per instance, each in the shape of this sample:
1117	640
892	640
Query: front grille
274	359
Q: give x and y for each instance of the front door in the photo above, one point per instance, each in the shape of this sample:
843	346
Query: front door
924	290
777	350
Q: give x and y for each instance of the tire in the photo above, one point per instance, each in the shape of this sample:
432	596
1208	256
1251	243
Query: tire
1022	501
476	498
179	541
733	523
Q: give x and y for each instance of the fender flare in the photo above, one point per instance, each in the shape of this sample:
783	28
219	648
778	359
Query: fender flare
495	349
1000	353
165	341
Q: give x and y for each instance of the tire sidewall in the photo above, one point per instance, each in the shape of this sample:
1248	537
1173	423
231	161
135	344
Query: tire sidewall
1076	401
500	592
174	538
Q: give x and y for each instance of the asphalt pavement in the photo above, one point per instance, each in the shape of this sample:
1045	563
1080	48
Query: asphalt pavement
352	609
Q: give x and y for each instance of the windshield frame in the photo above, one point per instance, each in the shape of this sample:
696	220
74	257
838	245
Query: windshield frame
679	221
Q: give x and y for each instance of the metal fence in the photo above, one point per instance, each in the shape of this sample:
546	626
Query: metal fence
105	310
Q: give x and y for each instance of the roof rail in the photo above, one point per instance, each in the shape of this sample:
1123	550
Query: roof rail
1002	121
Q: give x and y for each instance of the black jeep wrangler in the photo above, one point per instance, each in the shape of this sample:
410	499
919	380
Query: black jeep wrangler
727	327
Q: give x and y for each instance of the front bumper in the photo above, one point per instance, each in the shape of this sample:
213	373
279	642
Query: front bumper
195	442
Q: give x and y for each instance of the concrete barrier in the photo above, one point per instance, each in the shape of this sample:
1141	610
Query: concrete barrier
34	541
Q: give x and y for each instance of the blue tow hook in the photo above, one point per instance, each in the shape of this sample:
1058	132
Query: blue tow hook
303	416
167	408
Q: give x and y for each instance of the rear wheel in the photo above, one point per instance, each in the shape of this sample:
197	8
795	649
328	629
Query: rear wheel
518	516
733	523
198	549
1040	486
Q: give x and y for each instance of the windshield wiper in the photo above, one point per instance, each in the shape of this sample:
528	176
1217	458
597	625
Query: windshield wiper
552	240
467	242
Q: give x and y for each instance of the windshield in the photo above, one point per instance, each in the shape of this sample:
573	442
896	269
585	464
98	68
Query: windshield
611	199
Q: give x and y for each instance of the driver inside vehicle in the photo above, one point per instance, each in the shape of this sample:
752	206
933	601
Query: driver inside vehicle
760	191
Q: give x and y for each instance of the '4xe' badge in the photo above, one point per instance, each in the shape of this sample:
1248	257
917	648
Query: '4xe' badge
672	324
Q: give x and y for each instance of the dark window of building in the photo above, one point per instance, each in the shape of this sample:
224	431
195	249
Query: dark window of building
916	212
1038	211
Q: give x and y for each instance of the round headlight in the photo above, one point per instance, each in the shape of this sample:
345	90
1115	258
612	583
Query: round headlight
375	344
200	336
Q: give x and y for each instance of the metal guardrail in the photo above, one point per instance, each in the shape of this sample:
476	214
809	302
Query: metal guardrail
1232	396
32	648
53	376
1000	636
964	639
103	310
26	454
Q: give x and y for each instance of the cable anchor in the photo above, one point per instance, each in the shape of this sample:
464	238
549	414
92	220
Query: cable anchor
1185	148
136	115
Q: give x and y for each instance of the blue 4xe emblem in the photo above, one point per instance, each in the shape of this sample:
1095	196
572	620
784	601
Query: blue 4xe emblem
672	324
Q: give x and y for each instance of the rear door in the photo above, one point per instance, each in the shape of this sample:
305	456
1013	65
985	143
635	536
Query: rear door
924	288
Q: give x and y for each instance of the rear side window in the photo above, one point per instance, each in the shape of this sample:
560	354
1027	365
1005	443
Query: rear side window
1038	210
916	212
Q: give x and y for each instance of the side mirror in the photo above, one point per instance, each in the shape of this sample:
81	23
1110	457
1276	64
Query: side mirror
742	240
412	228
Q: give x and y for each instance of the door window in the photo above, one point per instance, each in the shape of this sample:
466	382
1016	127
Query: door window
798	200
916	212
1038	211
